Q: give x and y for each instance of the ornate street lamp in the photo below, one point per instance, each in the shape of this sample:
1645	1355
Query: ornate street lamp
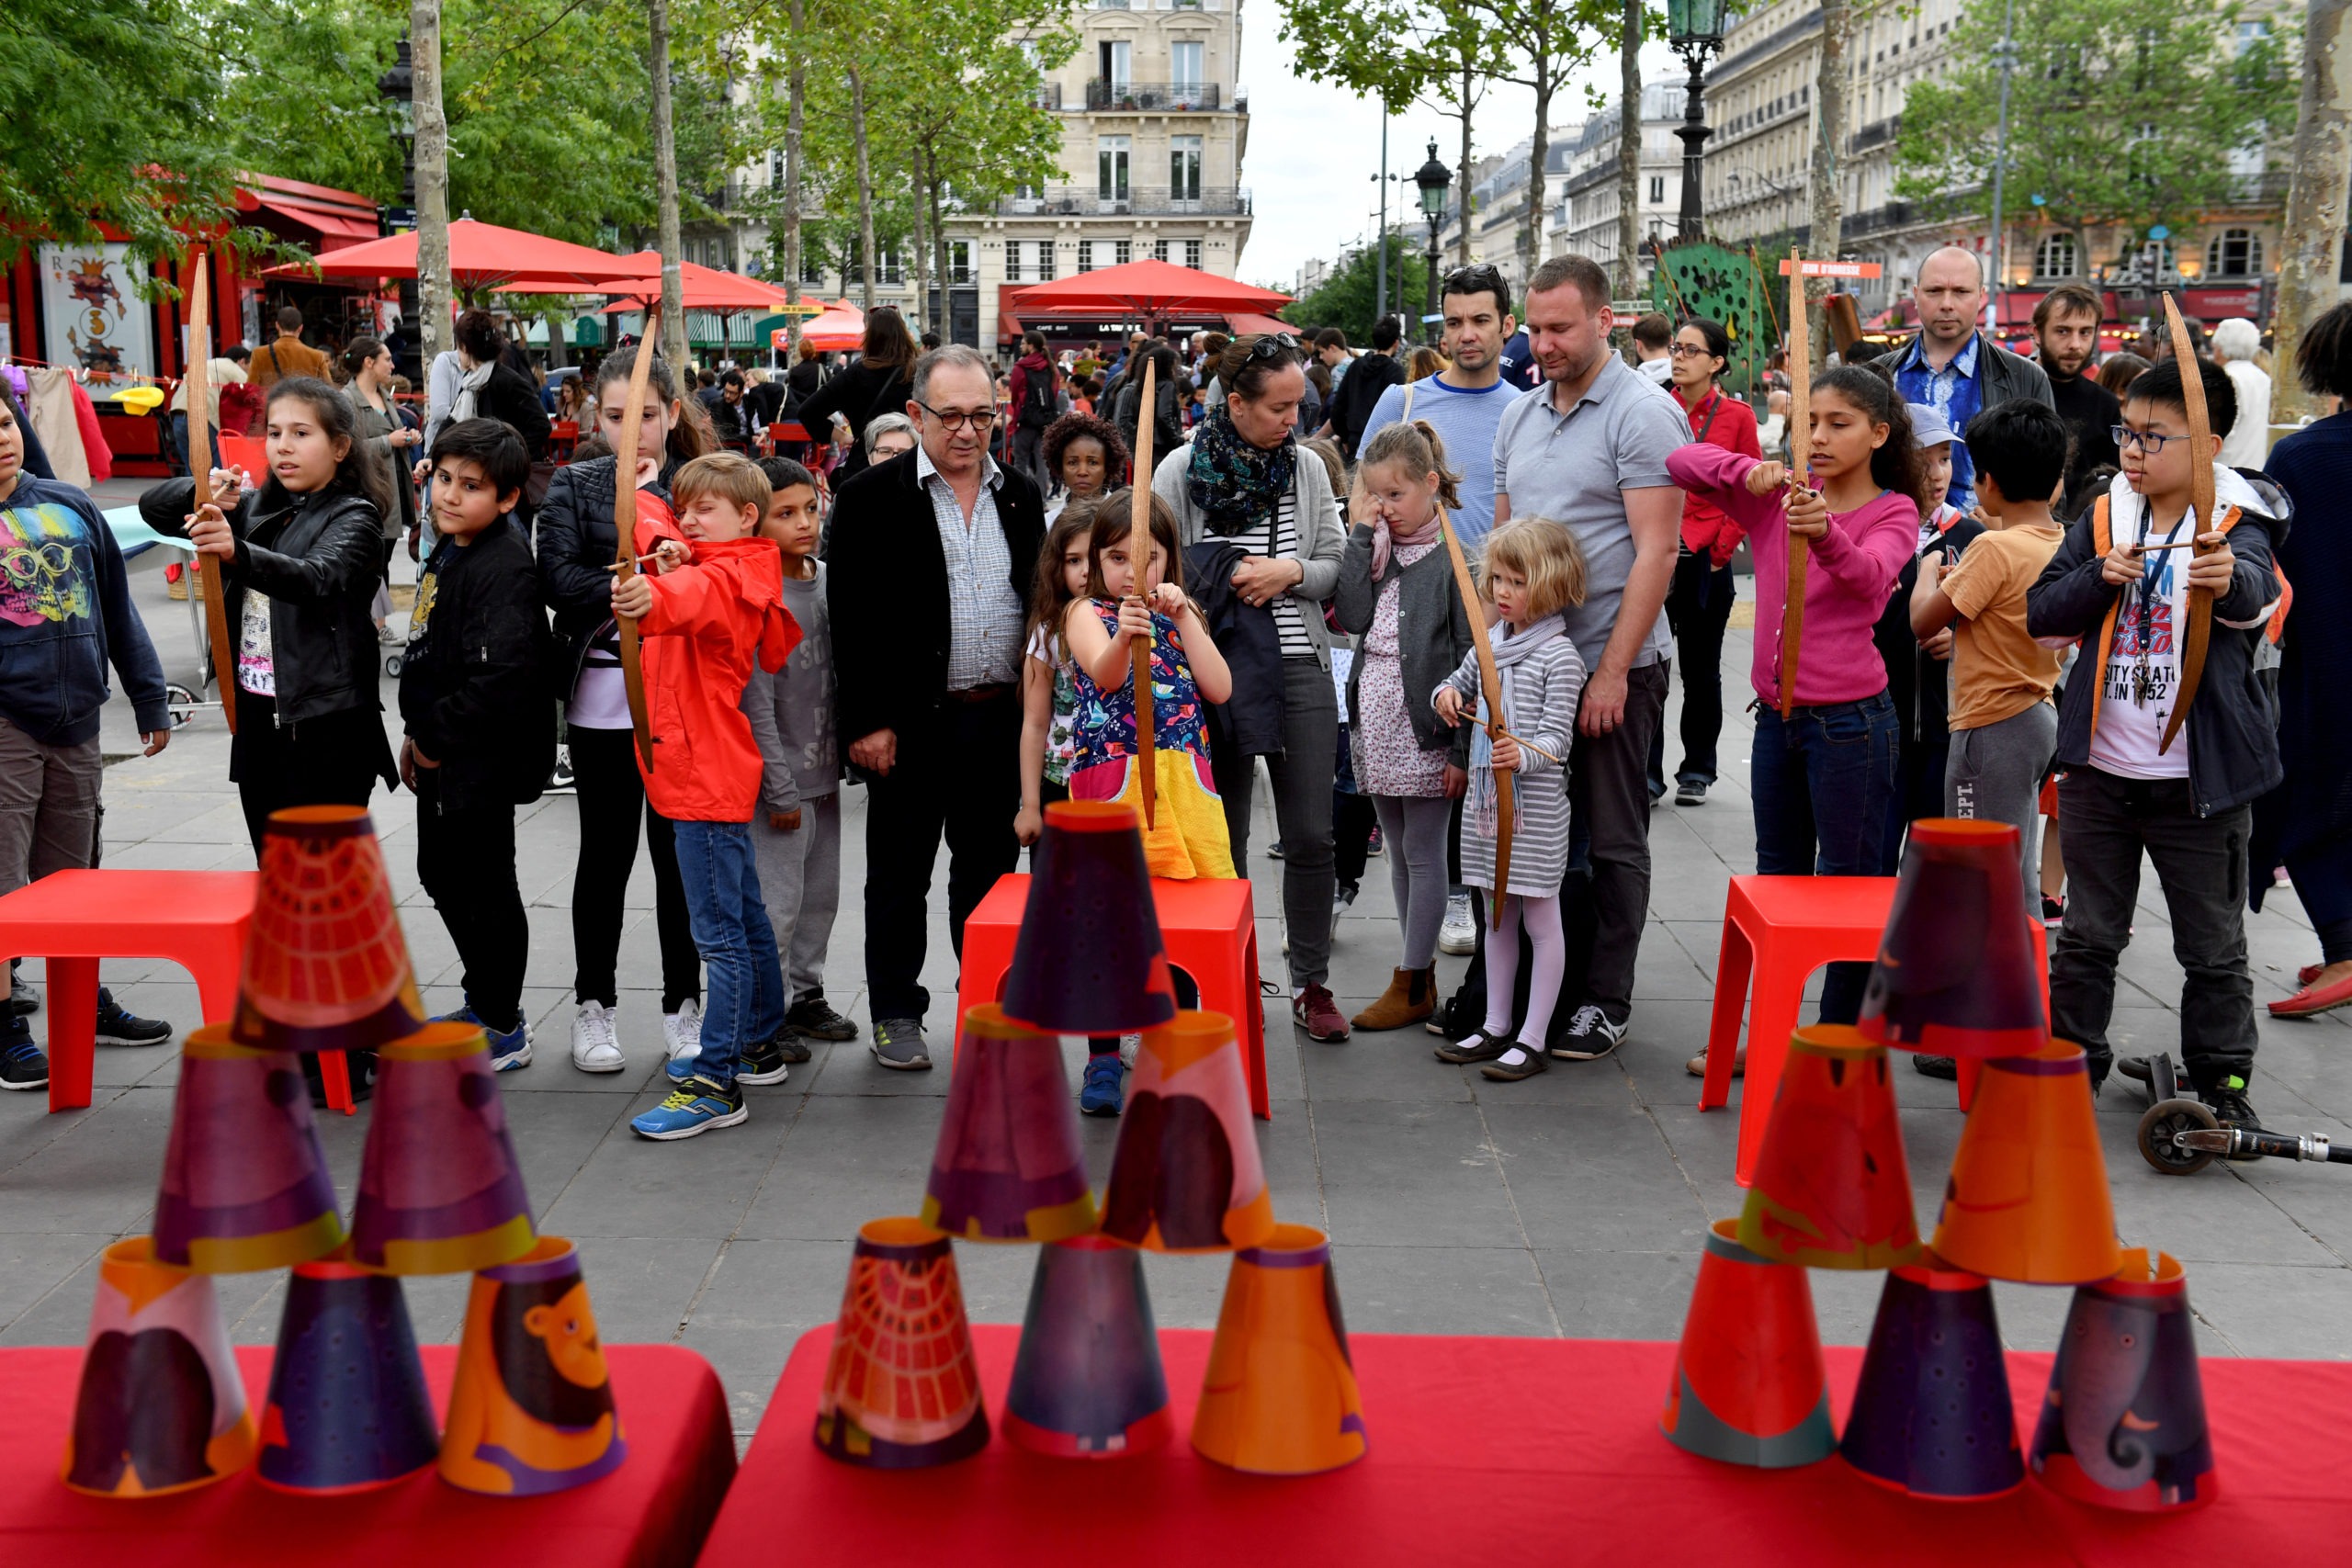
398	86
1695	30
1433	177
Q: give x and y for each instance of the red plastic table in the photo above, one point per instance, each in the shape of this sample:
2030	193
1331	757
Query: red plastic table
1492	1453
651	1512
73	919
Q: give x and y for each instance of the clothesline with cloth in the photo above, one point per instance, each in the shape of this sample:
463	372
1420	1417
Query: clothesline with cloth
64	423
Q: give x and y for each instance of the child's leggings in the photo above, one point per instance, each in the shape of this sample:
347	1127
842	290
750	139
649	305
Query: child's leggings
1542	920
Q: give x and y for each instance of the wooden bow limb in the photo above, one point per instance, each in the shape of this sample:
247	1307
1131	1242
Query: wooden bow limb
1140	550
1799	450
1490	685
2201	501
199	386
625	533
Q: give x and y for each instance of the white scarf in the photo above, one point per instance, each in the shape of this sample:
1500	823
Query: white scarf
473	383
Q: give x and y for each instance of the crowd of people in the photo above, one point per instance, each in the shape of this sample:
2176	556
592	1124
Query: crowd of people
946	603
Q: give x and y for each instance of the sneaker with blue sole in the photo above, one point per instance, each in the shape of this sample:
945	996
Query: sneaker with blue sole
761	1062
23	1065
694	1108
509	1052
1101	1092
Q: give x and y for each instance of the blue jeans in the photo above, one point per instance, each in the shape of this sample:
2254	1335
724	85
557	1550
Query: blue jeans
1821	780
744	999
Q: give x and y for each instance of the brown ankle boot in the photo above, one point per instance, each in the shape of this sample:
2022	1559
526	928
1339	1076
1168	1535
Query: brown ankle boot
1412	996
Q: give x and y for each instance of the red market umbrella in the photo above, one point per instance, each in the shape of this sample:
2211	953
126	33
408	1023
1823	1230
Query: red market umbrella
482	256
1151	289
707	288
843	325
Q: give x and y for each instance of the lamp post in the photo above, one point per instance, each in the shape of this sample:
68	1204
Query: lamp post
1433	177
398	87
1695	30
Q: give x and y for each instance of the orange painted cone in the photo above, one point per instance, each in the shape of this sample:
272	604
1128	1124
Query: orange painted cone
1186	1175
440	1189
1090	959
1748	1384
1955	973
1086	1383
2123	1426
1008	1167
245	1185
2028	1197
903	1386
1280	1397
326	967
531	1410
162	1407
1831	1188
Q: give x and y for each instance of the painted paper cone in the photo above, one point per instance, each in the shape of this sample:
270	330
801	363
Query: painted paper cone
1279	1396
1089	959
2027	1199
326	967
347	1409
1748	1384
1931	1415
1955	975
2123	1425
440	1191
1008	1167
245	1185
532	1410
1186	1175
1831	1188
903	1386
1086	1383
161	1406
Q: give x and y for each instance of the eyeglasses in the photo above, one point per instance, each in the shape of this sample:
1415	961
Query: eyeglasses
2148	441
1482	278
1274	345
980	420
1690	351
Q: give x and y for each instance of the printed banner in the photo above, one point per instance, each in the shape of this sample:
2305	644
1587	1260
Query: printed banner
95	318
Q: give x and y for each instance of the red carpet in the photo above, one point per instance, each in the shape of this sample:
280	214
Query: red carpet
1488	1452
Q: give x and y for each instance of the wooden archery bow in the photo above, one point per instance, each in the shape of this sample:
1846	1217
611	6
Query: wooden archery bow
1799	450
625	533
197	385
1140	550
2201	501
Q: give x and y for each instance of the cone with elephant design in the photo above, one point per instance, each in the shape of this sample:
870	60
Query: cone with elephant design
2123	1423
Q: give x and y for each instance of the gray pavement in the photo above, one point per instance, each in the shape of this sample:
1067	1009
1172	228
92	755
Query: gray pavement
1571	1204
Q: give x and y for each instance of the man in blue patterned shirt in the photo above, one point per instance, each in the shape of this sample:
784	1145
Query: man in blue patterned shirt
1952	367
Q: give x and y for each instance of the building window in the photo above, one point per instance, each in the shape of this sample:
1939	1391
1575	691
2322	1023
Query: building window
1111	58
1192	254
2234	253
1122	252
1160	250
959	261
1186	71
1658	188
1013	249
2055	256
1086	256
1184	168
1044	260
1111	168
775	166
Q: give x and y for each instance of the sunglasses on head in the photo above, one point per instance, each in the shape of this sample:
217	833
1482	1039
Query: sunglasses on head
1480	278
1274	345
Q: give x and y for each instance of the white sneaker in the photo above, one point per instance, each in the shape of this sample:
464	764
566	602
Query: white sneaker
595	1046
1459	934
681	1030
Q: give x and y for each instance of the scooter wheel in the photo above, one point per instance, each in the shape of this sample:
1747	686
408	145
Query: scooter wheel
392	665
180	702
2164	1121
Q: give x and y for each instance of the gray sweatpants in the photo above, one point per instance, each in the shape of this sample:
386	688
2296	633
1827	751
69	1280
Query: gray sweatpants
800	879
1993	774
1414	828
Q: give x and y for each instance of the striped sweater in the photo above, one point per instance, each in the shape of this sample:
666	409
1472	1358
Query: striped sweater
1544	689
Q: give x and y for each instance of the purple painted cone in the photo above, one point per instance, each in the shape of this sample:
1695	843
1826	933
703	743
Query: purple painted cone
1931	1413
246	1186
348	1409
1086	1383
440	1190
2124	1423
1008	1167
1090	959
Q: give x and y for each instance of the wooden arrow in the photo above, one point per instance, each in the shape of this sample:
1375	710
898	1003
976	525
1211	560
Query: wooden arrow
1799	450
197	385
1139	551
1491	684
2201	501
625	533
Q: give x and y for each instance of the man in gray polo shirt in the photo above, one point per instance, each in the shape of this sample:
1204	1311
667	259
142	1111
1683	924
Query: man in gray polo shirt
1589	449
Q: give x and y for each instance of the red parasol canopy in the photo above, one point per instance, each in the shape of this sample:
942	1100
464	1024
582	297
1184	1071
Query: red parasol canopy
482	256
841	325
707	288
1150	290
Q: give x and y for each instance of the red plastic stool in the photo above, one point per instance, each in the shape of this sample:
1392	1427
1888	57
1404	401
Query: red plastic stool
1211	932
73	919
1779	930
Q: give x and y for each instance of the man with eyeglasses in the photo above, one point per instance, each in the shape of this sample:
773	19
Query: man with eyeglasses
932	554
1953	368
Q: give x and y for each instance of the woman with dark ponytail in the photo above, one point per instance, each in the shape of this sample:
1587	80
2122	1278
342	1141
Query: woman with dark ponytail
1821	778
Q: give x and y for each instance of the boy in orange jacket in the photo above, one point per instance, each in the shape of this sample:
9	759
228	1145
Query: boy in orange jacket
713	607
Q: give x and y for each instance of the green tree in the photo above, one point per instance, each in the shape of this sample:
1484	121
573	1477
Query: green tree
1349	299
1545	42
2313	230
2126	112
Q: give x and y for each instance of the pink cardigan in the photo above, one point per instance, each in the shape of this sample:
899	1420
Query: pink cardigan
1854	569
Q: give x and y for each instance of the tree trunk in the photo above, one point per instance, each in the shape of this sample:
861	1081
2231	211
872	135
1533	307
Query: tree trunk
864	190
1629	151
796	98
1827	166
2313	234
665	185
1461	175
1531	226
922	238
433	291
946	325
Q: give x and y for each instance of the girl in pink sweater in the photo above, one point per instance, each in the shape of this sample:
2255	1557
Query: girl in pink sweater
1821	778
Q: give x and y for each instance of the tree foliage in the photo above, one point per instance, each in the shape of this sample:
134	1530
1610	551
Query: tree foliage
1349	299
2126	112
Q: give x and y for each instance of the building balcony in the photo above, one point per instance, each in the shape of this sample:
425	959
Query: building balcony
1047	96
1877	133
1159	97
1140	201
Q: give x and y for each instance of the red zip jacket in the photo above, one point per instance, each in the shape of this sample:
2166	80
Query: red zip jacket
1707	529
709	621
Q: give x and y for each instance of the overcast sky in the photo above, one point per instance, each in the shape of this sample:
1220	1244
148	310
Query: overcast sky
1314	150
